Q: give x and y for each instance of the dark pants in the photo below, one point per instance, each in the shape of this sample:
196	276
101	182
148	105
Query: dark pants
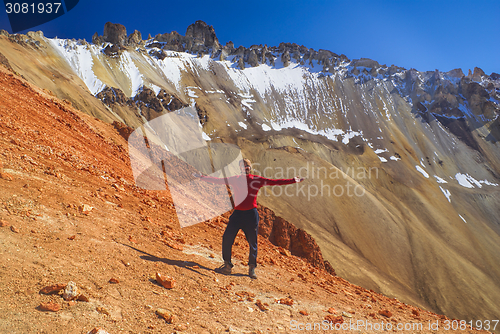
248	221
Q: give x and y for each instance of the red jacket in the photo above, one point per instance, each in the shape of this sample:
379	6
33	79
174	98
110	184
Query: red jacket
246	187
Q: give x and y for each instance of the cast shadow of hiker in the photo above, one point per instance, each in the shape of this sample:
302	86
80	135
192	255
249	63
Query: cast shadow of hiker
190	265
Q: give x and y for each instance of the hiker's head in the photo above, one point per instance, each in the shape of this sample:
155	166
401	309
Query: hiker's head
245	166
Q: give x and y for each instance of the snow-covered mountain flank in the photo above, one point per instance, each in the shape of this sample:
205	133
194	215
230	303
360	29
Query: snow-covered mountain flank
402	167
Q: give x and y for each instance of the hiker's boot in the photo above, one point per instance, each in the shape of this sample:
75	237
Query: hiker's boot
251	271
224	269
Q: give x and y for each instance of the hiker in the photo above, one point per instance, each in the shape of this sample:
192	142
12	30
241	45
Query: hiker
245	215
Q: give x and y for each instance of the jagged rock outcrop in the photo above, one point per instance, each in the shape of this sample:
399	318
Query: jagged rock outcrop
110	96
200	37
253	60
146	98
124	130
170	102
284	234
112	50
115	33
96	39
150	104
135	38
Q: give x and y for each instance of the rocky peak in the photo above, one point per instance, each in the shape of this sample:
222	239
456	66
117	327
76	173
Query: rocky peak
115	33
202	36
135	38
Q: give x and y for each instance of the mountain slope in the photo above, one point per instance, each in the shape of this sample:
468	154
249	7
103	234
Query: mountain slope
70	213
421	148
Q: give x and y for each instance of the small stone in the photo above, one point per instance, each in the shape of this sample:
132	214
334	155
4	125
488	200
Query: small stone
3	223
174	245
284	252
102	310
14	229
114	281
385	313
82	298
52	288
50	306
70	291
6	176
166	281
180	327
85	208
331	310
98	330
347	315
286	301
261	306
415	312
303	312
72	237
167	315
118	187
334	319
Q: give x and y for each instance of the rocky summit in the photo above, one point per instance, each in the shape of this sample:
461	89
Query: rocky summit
399	205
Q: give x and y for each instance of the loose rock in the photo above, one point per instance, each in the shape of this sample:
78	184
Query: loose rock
167	315
334	319
50	306
6	176
331	310
52	288
70	291
102	310
261	305
385	313
166	281
286	301
98	330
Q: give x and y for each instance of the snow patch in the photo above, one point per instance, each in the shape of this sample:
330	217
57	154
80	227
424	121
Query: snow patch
446	193
205	136
266	127
79	58
421	170
128	66
465	180
440	180
191	93
243	125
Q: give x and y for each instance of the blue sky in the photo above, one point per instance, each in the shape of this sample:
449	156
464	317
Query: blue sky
421	34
